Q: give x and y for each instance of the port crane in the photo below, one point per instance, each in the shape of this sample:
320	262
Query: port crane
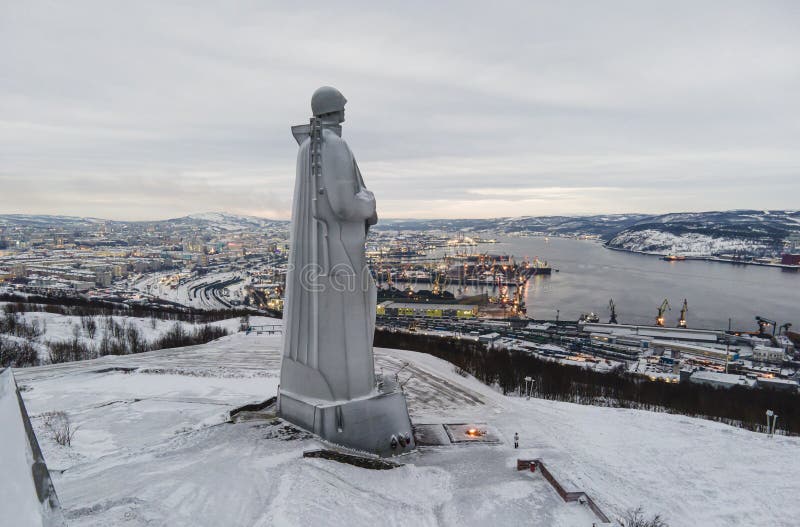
661	310
437	289
684	309
613	309
763	324
519	305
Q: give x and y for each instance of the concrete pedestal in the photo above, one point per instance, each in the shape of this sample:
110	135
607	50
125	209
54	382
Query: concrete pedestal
378	423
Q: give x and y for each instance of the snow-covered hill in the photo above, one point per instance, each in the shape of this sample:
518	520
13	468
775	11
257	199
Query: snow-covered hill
227	222
215	220
598	225
152	448
45	220
687	244
750	232
745	232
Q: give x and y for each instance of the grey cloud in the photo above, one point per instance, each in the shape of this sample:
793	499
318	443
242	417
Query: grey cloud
148	110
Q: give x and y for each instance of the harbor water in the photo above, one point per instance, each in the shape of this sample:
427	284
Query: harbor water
589	275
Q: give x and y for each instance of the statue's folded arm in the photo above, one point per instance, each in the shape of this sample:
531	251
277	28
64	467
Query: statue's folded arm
347	202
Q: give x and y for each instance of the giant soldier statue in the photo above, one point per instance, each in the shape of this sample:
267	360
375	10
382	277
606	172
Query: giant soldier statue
328	382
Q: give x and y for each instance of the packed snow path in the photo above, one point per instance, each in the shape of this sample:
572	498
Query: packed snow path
152	448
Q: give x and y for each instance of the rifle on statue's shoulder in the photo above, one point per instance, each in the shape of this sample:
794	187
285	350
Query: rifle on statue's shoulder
313	130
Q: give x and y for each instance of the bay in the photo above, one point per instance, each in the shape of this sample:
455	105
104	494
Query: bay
589	275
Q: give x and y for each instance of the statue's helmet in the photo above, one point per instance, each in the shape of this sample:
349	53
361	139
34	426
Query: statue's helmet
327	100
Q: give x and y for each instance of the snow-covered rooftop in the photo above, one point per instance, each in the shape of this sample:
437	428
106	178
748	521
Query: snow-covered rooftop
727	379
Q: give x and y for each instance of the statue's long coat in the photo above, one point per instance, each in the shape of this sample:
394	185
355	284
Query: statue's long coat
329	310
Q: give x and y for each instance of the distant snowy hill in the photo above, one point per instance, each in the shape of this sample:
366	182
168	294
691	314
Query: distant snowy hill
752	232
601	225
218	221
226	222
711	233
45	220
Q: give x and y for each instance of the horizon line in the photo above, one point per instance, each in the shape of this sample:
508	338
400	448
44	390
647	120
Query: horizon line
194	215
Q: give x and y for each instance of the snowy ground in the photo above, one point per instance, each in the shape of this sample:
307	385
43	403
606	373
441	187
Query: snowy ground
60	328
153	448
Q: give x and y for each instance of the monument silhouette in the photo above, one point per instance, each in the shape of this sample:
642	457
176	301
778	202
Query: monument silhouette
328	382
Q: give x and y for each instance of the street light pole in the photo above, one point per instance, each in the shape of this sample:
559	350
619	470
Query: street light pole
770	413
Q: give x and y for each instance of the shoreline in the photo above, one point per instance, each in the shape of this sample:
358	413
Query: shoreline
717	259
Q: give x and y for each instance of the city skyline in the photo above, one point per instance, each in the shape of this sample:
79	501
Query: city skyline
147	113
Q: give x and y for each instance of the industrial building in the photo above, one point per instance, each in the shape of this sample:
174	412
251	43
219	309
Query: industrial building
728	380
782	341
721	380
651	332
768	354
412	309
669	342
775	383
707	351
489	338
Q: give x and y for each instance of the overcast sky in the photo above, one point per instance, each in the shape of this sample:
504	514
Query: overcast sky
150	110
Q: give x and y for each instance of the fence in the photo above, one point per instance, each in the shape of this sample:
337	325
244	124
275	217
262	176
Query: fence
525	464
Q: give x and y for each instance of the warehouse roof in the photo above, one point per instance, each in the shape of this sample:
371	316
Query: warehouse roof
422	305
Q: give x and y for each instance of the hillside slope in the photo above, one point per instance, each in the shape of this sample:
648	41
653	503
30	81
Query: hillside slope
745	232
152	448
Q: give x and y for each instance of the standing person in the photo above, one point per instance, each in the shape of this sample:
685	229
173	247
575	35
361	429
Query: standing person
516	440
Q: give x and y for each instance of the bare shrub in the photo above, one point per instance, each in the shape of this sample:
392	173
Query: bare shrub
105	345
113	327
178	336
17	354
13	324
70	350
65	305
89	325
136	343
57	423
636	518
